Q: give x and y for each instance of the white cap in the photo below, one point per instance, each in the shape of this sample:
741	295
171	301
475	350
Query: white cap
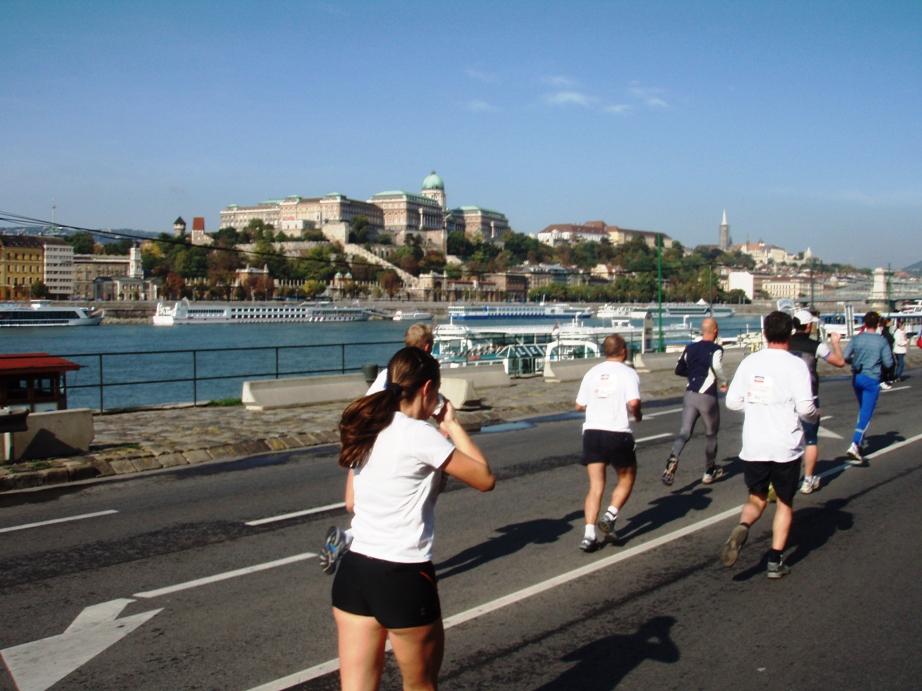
804	317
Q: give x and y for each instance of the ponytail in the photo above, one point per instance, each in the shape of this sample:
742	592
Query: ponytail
365	418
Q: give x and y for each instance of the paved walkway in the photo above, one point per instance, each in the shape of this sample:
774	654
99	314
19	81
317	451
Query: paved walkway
150	440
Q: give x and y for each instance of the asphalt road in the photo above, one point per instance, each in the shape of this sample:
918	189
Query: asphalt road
173	590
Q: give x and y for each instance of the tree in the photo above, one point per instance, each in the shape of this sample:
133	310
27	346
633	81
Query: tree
119	247
82	242
312	289
39	291
359	232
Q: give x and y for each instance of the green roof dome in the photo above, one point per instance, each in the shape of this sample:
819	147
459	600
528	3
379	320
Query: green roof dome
433	182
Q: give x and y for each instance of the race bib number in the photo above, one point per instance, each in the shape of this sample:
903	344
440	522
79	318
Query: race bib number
760	390
604	387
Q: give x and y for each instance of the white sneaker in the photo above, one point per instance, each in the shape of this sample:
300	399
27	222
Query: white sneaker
885	386
811	485
854	454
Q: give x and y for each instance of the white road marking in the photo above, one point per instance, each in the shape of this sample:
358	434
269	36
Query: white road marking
662	412
655	436
225	576
895	388
38	665
823	432
332	665
296	514
825	417
57	520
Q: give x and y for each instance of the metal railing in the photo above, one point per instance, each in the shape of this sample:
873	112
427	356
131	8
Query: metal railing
110	371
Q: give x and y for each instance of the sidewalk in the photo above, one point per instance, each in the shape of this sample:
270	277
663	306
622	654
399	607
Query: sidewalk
149	440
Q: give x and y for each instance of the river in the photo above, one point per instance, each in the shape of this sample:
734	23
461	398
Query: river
159	356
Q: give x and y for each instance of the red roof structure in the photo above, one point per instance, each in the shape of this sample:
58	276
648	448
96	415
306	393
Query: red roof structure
29	363
198	223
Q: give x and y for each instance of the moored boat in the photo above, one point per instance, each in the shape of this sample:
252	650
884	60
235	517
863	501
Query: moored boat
497	311
43	313
184	312
412	316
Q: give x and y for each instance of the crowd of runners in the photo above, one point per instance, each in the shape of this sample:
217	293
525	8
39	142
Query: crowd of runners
397	463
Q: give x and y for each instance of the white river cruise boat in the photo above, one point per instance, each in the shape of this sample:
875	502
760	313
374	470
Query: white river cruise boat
43	313
184	312
412	316
556	312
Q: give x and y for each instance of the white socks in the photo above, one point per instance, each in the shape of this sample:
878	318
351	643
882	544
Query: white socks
590	531
613	511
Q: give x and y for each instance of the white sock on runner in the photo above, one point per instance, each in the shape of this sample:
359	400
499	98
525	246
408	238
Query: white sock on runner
590	531
613	511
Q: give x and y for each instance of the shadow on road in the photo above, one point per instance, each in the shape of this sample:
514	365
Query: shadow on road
813	527
512	538
731	467
603	664
663	510
875	442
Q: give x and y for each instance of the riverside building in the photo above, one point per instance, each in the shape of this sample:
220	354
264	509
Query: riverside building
21	265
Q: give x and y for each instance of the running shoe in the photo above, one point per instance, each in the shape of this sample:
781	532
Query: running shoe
713	472
854	453
885	386
334	547
731	550
810	485
772	496
778	569
589	544
607	525
669	474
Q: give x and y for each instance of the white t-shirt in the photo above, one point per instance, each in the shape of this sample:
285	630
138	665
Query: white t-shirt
395	492
605	391
769	386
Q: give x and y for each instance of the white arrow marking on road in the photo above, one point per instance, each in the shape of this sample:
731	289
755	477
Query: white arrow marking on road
40	664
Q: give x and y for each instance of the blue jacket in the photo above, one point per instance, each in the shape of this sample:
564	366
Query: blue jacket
702	363
866	352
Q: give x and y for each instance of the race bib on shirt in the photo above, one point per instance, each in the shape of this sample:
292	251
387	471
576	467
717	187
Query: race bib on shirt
760	390
604	386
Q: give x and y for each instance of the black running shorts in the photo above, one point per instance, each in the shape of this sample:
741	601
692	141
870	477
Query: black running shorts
399	596
616	449
784	477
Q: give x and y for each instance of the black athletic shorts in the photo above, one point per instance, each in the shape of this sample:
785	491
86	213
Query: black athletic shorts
617	449
784	477
399	596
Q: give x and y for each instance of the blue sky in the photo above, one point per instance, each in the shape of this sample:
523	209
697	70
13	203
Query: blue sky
801	119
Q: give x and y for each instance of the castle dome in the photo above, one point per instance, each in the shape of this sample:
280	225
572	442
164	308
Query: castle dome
433	182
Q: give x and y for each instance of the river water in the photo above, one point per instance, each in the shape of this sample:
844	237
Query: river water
144	364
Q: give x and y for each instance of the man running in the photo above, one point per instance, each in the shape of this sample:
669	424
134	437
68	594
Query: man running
867	353
337	541
607	393
702	364
811	351
773	389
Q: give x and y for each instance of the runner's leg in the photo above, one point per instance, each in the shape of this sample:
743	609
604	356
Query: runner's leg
622	491
596	488
419	652
361	651
711	414
689	418
868	391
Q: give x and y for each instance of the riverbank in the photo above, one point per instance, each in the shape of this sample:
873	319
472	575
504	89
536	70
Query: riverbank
151	440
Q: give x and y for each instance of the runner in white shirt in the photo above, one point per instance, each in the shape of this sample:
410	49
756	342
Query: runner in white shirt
385	587
337	541
607	393
773	389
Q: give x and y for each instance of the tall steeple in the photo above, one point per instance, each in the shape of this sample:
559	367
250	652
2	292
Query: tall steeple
725	240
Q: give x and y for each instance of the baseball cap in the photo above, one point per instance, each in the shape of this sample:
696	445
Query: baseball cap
804	317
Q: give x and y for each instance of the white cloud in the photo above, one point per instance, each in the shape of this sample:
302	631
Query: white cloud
619	109
485	77
568	98
559	82
476	106
651	97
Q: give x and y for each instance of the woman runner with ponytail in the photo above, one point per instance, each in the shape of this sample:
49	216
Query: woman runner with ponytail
385	586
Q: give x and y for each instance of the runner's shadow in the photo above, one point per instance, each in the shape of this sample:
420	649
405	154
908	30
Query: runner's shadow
874	443
512	538
603	664
813	527
663	510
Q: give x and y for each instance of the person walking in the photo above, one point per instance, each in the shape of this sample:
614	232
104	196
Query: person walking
867	353
336	542
607	393
702	363
811	352
772	387
887	374
385	587
900	346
